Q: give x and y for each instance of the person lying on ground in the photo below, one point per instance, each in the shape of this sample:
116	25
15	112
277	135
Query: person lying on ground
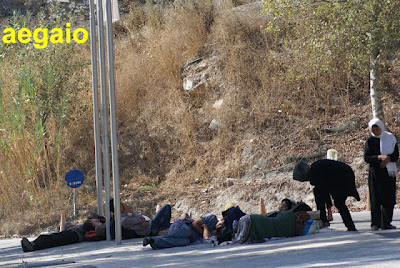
73	234
134	224
286	204
255	228
233	215
330	179
183	232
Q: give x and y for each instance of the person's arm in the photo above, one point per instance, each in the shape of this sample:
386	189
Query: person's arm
385	159
206	232
136	219
62	222
330	217
197	225
369	156
395	155
262	207
328	201
100	228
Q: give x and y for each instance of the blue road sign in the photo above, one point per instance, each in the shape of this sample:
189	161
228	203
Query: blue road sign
74	178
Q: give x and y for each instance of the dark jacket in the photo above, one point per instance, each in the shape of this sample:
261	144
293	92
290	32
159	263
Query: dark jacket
333	177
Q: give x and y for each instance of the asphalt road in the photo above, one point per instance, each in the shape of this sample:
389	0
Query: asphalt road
332	247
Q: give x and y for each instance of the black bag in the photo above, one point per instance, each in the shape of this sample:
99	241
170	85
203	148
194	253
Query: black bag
301	206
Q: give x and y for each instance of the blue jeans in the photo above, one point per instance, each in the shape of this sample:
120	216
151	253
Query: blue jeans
182	236
161	220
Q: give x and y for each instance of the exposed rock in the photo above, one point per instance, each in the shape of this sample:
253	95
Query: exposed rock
196	74
218	104
350	124
214	125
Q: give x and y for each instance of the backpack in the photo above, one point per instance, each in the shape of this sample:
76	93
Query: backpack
310	227
301	206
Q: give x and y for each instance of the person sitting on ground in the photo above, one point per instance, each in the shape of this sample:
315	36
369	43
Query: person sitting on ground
72	234
330	178
135	225
183	232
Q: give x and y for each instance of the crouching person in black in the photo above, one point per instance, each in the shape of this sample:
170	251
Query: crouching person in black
330	179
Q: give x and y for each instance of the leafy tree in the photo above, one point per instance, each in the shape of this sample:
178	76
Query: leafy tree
362	32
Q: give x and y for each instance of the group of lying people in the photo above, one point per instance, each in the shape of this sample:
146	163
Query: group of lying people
236	226
330	178
232	227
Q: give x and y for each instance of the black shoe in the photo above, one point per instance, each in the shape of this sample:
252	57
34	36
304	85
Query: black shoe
374	228
388	227
353	229
148	240
26	245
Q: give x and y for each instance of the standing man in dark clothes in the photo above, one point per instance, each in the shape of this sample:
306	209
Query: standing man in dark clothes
381	152
330	179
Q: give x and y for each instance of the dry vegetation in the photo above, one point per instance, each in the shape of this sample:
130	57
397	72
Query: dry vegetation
273	106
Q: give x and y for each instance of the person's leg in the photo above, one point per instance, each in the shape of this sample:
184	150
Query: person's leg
26	245
387	212
162	220
180	237
55	239
321	207
376	219
340	203
330	216
388	188
263	211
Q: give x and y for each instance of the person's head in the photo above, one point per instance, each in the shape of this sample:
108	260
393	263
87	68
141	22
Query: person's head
220	224
301	171
376	127
92	215
286	204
